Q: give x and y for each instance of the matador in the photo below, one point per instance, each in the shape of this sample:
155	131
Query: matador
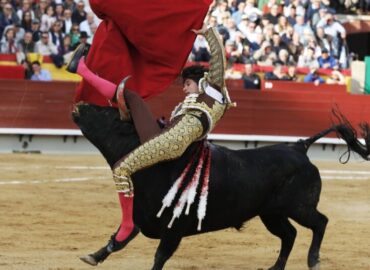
205	103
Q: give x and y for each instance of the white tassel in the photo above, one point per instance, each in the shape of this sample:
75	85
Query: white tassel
168	199
179	207
202	206
192	192
194	184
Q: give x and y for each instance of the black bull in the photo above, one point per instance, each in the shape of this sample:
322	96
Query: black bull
275	183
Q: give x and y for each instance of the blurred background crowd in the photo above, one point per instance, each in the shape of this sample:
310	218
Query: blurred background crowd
290	33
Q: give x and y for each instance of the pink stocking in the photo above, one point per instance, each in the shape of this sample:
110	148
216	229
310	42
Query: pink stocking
127	224
104	87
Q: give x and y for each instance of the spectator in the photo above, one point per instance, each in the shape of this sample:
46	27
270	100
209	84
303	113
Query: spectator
47	19
7	17
297	5
283	58
231	52
56	34
93	30
292	15
243	26
45	46
250	30
232	29
313	8
265	56
79	14
40	9
232	5
313	77
83	40
250	9
8	43
308	59
301	27
89	23
35	28
212	21
326	60
324	40
268	32
276	74
278	44
237	15
247	56
274	14
282	26
250	79
67	21
18	31
318	17
67	49
292	72
75	35
59	12
287	36
200	51
27	45
335	30
27	69
336	77
26	7
220	9
26	22
295	47
270	5
69	4
39	74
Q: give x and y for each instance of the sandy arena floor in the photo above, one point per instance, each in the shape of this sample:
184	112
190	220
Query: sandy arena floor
55	208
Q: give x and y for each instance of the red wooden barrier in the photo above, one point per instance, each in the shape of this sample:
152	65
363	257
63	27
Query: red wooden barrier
26	104
12	72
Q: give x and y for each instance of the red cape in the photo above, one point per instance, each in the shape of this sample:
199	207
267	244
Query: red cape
149	40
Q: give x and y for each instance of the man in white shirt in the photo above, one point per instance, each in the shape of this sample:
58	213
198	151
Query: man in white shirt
44	46
88	24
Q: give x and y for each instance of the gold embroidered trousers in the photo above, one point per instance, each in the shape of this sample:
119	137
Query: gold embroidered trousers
168	145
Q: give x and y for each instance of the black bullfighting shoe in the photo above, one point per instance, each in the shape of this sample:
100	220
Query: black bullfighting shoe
120	99
112	246
78	53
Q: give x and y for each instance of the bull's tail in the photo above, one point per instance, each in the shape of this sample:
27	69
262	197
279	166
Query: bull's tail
346	132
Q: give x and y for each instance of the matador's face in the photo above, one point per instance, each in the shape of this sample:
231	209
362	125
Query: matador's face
190	87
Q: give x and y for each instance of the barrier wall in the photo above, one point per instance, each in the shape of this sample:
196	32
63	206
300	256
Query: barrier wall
26	104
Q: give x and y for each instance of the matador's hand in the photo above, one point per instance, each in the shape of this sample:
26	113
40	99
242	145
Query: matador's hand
200	31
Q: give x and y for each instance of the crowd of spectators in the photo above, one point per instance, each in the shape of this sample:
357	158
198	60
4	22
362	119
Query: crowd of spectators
301	33
295	34
45	27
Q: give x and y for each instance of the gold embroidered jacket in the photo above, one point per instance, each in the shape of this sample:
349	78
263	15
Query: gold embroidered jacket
213	99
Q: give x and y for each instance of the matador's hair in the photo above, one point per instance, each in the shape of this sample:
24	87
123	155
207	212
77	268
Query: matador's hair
194	72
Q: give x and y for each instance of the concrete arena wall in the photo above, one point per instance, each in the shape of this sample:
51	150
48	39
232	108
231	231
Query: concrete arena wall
52	141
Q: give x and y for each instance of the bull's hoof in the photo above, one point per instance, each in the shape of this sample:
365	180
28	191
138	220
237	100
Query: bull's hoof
316	267
89	260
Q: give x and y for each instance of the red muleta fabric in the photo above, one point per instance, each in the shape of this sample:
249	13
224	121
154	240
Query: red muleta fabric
149	40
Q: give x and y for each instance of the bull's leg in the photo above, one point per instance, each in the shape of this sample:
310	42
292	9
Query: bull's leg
282	228
311	218
167	246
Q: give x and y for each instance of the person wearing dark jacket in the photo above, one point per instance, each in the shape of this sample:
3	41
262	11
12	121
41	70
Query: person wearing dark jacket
251	80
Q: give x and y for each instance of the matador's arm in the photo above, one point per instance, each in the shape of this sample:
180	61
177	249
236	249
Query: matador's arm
216	75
